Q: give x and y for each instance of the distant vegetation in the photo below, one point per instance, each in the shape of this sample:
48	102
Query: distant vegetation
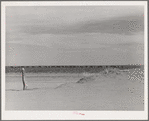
66	69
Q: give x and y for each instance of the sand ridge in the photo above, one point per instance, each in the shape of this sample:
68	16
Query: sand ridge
96	91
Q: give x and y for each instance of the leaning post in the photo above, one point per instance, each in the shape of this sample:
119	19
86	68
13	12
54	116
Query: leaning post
23	79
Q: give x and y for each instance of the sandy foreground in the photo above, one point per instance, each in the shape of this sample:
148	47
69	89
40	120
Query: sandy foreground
75	92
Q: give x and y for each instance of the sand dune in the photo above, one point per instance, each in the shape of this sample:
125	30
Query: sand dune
94	92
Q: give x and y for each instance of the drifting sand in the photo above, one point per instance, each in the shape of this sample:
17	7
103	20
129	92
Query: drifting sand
75	92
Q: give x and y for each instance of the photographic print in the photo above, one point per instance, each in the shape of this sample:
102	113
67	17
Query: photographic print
76	57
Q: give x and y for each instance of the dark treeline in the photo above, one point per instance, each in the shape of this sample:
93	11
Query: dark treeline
66	69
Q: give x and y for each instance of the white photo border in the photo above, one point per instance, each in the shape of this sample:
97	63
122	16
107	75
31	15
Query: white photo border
63	115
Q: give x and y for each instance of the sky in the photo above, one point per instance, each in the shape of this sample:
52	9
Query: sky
74	35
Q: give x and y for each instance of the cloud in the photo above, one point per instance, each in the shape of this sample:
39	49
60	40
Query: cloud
73	20
88	35
127	25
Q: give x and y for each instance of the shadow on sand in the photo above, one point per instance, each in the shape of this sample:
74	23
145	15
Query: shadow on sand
22	89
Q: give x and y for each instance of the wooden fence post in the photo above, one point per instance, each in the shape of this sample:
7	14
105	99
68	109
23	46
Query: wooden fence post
23	80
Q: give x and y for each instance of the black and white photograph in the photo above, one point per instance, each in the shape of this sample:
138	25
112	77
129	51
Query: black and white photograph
75	58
